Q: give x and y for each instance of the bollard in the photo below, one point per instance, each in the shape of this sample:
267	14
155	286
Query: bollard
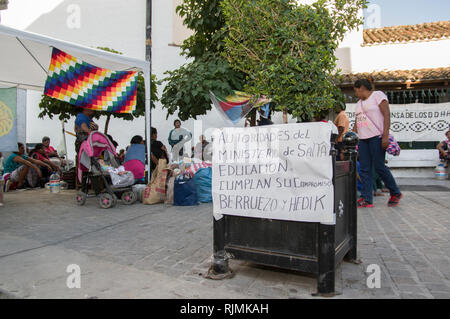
350	140
219	268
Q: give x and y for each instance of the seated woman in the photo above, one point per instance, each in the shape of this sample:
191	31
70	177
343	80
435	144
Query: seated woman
157	149
38	153
121	156
444	149
20	166
52	154
135	158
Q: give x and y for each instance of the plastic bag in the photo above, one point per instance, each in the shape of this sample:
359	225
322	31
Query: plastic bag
121	181
185	192
203	184
393	148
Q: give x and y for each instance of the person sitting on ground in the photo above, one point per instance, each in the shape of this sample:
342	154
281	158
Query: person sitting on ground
2	163
38	153
18	165
52	153
199	150
444	149
135	158
121	156
157	149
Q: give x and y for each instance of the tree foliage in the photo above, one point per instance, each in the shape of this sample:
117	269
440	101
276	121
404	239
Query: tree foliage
288	50
52	107
187	88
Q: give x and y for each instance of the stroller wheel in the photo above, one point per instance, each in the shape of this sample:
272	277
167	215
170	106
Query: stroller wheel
81	198
106	200
128	197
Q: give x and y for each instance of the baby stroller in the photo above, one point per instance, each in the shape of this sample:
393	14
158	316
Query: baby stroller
90	173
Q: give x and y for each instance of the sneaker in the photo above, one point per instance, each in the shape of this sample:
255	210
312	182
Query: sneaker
394	200
360	200
364	203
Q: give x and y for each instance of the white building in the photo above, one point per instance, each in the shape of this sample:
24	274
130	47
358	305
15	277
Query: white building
103	23
404	58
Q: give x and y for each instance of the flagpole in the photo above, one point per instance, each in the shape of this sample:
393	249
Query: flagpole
148	78
64	141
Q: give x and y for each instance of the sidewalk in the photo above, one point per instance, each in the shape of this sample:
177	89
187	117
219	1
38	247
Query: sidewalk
162	251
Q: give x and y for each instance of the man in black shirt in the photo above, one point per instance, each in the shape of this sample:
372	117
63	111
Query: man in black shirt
158	150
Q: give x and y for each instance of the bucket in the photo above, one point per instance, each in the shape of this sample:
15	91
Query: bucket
440	172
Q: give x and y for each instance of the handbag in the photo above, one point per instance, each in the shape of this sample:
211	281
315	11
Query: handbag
185	192
393	147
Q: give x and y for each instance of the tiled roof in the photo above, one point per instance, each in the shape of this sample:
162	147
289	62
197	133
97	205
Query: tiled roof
399	76
408	33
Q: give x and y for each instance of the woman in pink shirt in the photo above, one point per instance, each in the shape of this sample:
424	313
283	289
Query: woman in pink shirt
372	124
135	159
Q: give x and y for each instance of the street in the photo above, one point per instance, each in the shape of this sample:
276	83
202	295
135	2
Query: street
162	251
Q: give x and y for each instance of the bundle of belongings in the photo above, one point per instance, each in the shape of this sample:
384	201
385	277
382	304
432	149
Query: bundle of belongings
119	176
185	183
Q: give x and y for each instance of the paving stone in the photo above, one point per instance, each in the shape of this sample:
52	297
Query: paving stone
411	288
413	296
409	243
399	272
438	287
441	295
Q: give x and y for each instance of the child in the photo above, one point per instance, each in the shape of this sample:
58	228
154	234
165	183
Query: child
119	176
444	149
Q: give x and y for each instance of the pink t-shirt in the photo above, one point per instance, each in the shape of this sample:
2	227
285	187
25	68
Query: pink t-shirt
49	149
136	167
368	128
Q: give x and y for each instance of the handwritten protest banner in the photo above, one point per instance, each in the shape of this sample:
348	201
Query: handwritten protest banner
278	172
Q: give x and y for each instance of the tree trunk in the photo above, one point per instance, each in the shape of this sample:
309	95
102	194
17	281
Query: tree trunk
253	118
285	116
108	118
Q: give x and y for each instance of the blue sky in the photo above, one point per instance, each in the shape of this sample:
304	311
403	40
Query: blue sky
404	12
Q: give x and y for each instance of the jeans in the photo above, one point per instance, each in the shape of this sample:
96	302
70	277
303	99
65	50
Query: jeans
370	153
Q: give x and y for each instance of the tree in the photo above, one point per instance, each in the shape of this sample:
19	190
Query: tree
52	107
187	88
288	50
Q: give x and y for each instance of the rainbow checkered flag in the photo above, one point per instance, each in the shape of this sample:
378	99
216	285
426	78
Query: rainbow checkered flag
85	85
236	106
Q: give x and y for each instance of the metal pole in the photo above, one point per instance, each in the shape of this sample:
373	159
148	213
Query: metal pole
148	78
65	143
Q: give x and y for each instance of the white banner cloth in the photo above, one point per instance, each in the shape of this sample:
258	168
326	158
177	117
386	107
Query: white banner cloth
277	172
